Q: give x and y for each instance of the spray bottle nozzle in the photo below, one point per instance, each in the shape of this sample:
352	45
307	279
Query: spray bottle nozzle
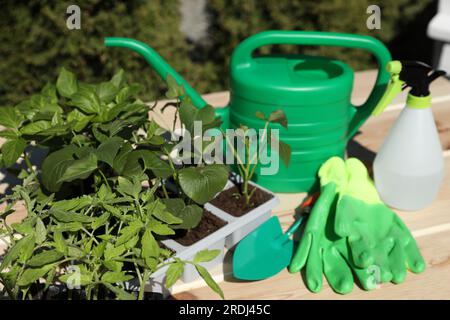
415	74
418	75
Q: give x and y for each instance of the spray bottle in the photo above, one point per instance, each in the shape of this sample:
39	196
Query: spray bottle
409	166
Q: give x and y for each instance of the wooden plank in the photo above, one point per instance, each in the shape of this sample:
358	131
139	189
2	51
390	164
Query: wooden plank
431	284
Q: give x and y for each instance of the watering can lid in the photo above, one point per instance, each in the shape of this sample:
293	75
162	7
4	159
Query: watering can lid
284	79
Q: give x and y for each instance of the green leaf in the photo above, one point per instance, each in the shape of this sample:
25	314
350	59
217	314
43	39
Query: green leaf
206	255
100	221
78	120
127	233
174	205
66	83
127	92
99	249
75	252
70	217
121	159
126	187
12	150
49	92
87	100
9	134
79	169
69	226
54	166
112	252
24	227
114	277
36	127
44	258
189	114
107	151
27	250
10	117
151	263
201	184
174	89
41	231
113	265
190	215
174	273
209	280
130	244
31	275
140	160
106	91
21	247
120	293
150	247
278	116
158	210
59	242
118	79
160	228
82	278
74	204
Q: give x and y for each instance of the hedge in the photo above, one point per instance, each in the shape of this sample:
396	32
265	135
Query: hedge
35	42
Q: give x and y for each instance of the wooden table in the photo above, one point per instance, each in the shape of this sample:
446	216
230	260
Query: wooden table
431	226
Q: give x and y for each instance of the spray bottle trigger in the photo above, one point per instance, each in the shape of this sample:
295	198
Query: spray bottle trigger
393	89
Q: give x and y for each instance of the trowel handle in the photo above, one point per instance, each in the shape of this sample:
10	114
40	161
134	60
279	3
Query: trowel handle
242	56
158	64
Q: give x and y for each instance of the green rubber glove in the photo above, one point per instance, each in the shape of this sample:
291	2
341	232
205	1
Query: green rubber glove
321	250
377	237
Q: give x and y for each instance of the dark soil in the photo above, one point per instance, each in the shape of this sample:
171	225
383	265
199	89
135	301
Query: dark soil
209	224
232	202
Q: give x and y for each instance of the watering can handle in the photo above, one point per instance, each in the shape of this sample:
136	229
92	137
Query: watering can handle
158	63
242	56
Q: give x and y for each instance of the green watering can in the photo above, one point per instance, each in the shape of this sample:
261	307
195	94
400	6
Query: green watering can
314	93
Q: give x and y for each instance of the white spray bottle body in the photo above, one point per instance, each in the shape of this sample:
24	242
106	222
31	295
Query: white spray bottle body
409	167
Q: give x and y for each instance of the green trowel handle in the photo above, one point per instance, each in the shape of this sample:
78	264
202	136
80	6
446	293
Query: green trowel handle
158	63
242	57
294	227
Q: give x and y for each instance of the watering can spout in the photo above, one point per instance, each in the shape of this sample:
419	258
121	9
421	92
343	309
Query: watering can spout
158	63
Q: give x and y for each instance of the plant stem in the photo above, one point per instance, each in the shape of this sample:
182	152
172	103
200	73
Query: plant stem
105	180
166	195
90	234
142	286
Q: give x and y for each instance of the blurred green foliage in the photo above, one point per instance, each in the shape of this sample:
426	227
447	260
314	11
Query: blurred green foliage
35	42
403	26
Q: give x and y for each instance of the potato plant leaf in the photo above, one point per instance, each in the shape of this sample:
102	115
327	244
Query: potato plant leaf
12	150
66	83
201	184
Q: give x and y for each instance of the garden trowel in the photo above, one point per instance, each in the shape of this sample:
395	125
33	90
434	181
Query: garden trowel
266	250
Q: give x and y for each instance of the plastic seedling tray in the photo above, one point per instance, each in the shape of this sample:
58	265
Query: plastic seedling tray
246	223
227	236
